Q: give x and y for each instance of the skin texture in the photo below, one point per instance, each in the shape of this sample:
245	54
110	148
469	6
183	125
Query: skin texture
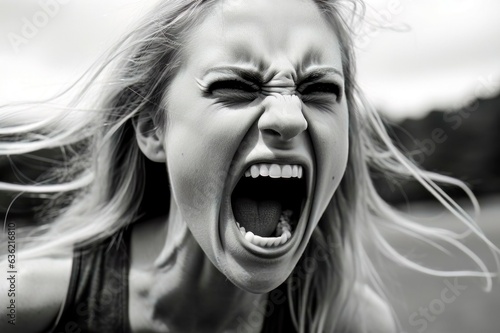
282	122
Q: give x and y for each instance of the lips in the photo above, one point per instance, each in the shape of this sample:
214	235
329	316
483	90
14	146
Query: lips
268	201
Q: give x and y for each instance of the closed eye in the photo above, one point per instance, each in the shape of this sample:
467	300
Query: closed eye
321	88
231	85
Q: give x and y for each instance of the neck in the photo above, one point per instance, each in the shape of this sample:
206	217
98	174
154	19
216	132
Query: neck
187	293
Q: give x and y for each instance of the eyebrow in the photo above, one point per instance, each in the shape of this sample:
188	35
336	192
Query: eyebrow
319	73
253	75
245	73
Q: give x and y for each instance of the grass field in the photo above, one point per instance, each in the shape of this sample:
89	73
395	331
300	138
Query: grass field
439	304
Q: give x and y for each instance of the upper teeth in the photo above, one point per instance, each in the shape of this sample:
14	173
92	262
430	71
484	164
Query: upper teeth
274	171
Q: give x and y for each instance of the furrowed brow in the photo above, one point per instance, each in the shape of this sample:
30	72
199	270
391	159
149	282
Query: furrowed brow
244	73
319	73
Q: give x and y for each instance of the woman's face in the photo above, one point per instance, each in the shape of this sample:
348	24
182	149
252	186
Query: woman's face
257	135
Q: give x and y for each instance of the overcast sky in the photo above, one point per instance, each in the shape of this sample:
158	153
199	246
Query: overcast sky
448	54
438	54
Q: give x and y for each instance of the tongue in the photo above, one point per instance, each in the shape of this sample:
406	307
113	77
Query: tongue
258	216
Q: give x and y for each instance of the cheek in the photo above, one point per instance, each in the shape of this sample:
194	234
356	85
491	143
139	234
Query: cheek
198	157
201	143
331	142
330	138
329	132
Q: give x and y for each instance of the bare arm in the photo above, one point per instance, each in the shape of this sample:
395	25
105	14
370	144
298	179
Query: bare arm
378	316
33	304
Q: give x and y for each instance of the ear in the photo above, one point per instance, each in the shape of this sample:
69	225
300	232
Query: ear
149	138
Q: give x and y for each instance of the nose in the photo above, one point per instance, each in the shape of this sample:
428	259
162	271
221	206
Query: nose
282	117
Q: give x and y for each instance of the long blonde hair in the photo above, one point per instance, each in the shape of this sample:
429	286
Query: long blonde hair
106	186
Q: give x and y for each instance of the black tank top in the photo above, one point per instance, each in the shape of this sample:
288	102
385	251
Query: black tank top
97	298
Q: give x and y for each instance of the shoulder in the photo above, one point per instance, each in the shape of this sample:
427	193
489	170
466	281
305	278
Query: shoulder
377	314
365	312
39	290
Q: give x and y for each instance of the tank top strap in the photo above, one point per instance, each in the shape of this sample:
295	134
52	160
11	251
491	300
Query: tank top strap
97	297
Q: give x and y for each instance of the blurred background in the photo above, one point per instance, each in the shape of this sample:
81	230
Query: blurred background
431	67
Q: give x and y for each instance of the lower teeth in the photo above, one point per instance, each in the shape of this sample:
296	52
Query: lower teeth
283	232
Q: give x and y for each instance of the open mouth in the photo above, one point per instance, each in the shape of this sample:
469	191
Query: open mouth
267	203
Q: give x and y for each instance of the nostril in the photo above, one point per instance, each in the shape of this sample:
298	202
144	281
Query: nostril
272	132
